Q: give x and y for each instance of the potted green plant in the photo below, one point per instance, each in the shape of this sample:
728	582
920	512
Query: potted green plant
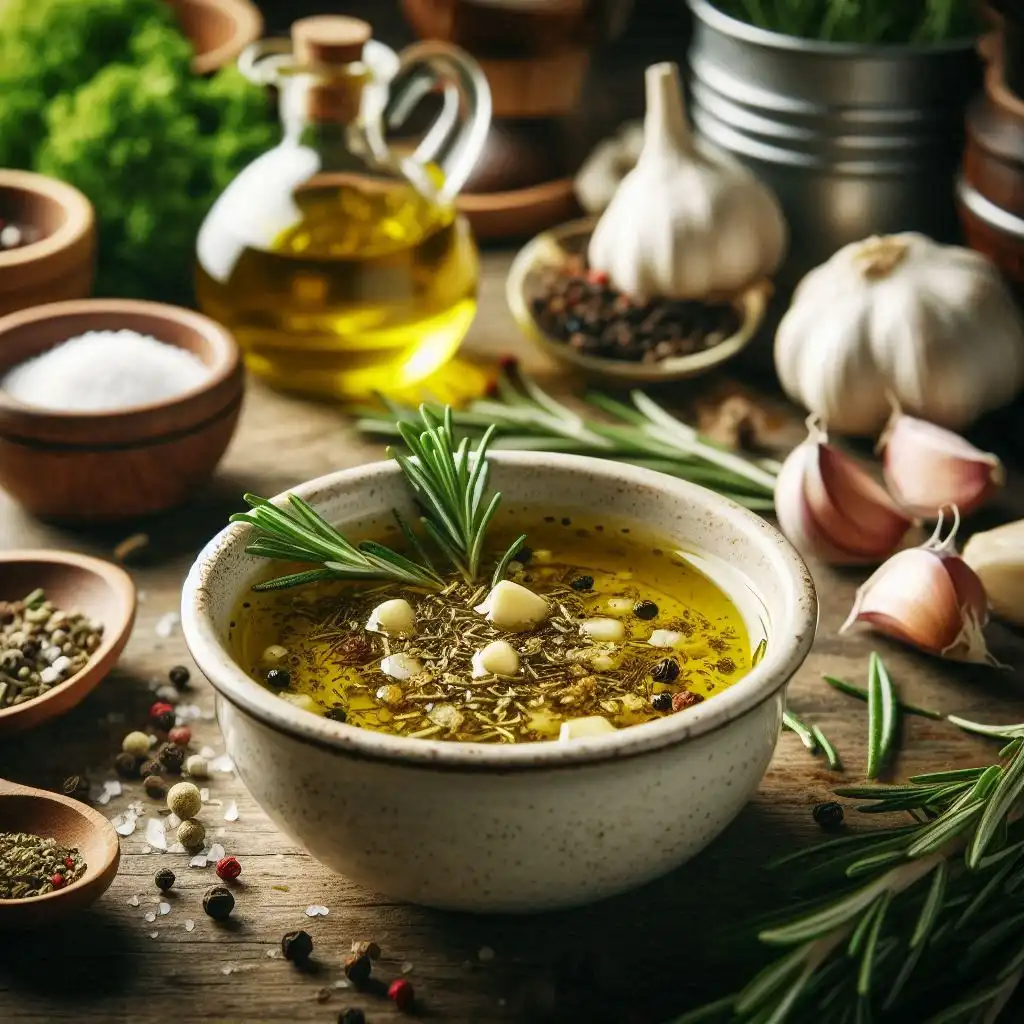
852	112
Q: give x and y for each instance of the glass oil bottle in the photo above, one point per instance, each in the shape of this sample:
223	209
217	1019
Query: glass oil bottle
342	266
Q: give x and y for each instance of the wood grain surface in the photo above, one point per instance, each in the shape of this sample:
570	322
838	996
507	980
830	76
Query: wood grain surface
641	957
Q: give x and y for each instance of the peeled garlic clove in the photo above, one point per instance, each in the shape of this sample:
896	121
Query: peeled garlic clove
393	618
513	607
496	659
829	507
580	728
666	638
928	468
604	631
930	598
401	666
997	556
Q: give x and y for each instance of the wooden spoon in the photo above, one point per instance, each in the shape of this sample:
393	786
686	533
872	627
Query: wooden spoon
72	824
73	582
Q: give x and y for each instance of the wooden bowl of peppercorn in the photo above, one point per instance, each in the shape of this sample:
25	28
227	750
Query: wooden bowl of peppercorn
579	319
47	241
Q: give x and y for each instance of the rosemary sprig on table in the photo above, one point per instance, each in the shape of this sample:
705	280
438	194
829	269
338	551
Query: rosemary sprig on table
906	921
527	418
450	485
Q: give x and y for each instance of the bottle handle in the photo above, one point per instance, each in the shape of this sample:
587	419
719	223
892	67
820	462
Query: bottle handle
456	139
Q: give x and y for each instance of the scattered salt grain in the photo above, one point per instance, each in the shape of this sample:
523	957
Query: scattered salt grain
133	901
125	823
272	954
167	693
189	925
231	812
103	370
150	916
200	860
216	852
156	835
175	848
204	795
485	954
343	983
317	910
227	970
146	849
172	821
153	935
222	764
207	752
164	908
166	623
407	967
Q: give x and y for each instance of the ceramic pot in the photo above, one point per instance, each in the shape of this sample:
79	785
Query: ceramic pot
854	140
531	826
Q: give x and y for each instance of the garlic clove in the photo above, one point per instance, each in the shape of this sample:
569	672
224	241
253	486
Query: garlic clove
513	607
831	509
666	638
393	618
582	728
498	658
930	598
928	468
997	557
401	666
604	631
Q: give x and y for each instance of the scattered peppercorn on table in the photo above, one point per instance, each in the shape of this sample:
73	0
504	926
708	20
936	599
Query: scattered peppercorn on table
256	931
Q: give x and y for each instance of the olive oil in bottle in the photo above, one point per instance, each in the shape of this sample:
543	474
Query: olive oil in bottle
341	268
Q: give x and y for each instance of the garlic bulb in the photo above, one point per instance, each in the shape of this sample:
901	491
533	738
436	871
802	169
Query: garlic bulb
928	468
830	509
997	556
685	223
932	326
513	607
603	171
393	618
930	598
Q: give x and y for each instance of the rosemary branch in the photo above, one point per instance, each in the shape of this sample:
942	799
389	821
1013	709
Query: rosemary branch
923	922
450	485
525	417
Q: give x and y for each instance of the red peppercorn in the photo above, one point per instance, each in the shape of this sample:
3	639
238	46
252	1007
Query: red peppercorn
57	881
508	362
158	709
597	277
68	863
228	868
181	735
401	994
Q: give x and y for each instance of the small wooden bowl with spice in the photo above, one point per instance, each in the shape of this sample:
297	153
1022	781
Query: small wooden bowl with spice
577	318
80	612
57	853
47	241
112	409
218	29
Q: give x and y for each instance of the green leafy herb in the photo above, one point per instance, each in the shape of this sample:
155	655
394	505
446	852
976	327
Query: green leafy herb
882	716
923	922
813	739
525	417
861	21
450	486
861	694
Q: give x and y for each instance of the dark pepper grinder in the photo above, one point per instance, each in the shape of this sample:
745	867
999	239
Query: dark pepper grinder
535	54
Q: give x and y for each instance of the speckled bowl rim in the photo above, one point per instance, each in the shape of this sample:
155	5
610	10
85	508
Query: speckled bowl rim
792	639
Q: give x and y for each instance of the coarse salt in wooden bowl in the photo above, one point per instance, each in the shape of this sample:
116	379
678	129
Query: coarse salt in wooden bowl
553	248
116	465
218	29
60	263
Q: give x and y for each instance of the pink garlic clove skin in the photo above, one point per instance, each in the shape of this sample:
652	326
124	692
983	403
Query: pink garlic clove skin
830	509
928	468
929	598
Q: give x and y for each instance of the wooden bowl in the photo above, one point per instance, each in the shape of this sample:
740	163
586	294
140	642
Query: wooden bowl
218	29
73	825
995	232
551	249
106	466
73	582
62	263
519	213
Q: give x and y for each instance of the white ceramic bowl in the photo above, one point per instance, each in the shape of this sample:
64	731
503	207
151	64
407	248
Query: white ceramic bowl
534	826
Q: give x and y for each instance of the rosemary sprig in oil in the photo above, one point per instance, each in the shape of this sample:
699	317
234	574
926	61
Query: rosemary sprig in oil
525	417
450	486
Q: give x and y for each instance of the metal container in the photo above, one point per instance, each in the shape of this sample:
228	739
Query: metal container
855	140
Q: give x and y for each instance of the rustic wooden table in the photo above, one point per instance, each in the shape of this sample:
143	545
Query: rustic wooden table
640	957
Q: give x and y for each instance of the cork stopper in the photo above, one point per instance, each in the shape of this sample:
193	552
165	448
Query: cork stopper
329	39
